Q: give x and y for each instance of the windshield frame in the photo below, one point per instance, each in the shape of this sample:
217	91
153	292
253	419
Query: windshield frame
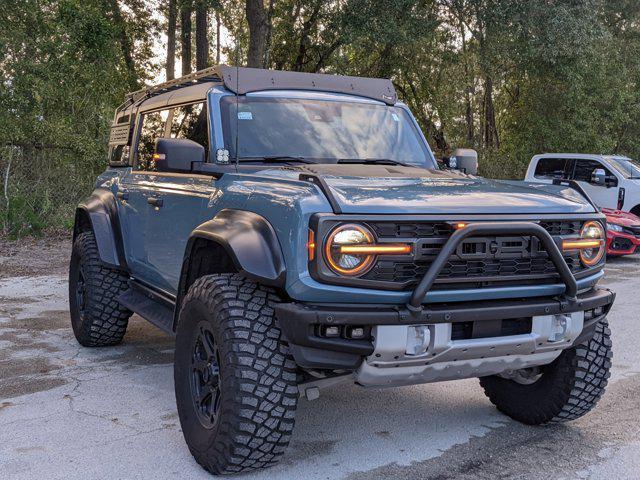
616	163
217	98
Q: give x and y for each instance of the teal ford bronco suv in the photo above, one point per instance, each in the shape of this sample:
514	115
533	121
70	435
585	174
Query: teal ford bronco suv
294	231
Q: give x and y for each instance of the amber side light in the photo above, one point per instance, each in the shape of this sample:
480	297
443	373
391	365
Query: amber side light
568	245
460	225
311	245
376	249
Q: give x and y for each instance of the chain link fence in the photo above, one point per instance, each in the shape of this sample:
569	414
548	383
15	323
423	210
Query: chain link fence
41	187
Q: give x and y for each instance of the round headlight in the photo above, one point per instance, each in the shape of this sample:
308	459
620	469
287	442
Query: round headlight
348	263
592	231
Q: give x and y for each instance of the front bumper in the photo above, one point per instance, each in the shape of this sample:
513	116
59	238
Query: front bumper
620	243
303	323
422	342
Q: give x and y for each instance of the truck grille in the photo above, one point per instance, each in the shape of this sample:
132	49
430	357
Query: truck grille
477	262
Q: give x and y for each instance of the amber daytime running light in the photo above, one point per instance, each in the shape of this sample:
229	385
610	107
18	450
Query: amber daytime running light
351	249
591	244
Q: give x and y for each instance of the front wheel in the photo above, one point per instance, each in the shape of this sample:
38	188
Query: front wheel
235	381
563	390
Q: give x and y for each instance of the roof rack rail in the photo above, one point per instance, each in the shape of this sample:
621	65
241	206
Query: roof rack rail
242	80
210	74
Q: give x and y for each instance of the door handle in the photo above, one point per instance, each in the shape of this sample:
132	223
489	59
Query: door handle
122	195
154	201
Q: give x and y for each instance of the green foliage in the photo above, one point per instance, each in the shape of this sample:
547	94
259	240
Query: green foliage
511	78
62	71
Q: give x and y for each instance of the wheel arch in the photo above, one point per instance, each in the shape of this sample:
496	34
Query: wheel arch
98	213
636	210
234	241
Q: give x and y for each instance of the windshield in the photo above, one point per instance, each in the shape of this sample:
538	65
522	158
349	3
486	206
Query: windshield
625	166
321	131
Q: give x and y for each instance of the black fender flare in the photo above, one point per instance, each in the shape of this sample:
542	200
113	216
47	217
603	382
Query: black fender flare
250	242
100	210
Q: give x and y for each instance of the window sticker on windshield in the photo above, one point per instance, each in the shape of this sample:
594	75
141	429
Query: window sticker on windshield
395	117
245	116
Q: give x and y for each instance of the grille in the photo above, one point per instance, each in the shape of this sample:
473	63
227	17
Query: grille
469	265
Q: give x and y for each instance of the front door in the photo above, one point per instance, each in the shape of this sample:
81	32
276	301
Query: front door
603	196
164	207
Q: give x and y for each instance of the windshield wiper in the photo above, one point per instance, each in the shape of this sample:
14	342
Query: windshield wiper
375	161
275	159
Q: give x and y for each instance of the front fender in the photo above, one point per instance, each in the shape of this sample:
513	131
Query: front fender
250	241
99	214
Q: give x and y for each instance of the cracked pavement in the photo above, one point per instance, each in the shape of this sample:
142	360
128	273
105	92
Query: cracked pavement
68	412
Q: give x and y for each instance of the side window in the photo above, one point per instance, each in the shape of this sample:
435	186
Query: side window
153	127
190	122
584	169
552	168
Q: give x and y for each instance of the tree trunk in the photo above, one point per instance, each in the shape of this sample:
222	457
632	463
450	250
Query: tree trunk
265	63
172	15
202	35
469	119
185	36
490	129
257	18
218	22
304	36
125	43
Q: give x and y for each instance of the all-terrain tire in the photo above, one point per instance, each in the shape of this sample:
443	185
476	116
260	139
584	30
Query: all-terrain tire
97	318
567	389
255	392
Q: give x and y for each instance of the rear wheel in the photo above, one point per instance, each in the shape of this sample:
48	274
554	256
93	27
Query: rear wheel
563	390
97	318
235	381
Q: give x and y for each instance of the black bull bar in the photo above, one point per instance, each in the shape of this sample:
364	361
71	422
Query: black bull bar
494	229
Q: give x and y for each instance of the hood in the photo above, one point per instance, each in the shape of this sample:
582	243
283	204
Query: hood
619	217
385	189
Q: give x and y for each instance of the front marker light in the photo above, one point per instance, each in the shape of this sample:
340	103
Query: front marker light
591	243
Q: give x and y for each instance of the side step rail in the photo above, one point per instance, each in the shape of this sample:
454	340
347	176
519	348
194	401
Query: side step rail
151	305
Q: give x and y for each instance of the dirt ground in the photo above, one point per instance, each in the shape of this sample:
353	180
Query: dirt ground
68	412
34	256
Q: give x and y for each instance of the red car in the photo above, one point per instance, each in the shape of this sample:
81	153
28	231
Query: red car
623	232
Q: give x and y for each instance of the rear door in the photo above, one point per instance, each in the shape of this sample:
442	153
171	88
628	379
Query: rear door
133	193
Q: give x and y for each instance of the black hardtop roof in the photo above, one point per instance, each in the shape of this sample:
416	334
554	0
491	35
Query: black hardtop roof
242	80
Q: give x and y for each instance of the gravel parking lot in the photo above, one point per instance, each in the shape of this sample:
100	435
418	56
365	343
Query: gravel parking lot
68	412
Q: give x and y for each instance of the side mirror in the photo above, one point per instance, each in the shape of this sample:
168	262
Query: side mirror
177	154
599	177
464	159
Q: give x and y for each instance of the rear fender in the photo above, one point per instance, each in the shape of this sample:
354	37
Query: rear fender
99	213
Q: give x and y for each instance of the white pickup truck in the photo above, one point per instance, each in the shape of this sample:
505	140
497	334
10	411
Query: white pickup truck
612	181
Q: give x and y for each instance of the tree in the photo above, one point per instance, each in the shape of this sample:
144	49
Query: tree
202	34
186	8
258	20
172	15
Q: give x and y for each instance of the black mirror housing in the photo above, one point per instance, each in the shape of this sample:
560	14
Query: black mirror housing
177	154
